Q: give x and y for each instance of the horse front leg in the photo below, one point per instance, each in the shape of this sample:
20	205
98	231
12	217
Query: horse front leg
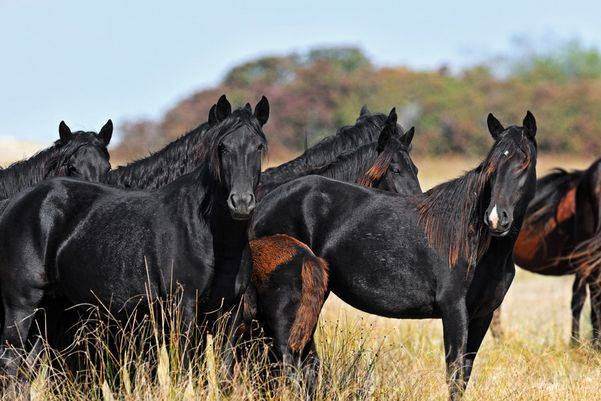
476	331
576	305
595	294
455	329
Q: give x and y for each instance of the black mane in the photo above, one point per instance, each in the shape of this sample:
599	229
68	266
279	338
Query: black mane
364	131
47	163
451	213
178	158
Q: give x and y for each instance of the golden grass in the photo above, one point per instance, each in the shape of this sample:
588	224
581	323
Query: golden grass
365	358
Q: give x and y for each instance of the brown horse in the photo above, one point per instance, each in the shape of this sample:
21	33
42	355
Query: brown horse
561	236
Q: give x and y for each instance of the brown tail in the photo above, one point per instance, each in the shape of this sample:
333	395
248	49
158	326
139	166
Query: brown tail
314	276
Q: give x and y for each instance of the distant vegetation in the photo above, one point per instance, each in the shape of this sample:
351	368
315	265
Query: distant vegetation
316	92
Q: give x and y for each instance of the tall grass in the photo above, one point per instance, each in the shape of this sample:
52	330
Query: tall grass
363	358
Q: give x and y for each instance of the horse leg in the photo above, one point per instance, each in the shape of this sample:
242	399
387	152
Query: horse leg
189	328
19	310
310	367
233	332
595	294
578	299
475	334
496	328
455	329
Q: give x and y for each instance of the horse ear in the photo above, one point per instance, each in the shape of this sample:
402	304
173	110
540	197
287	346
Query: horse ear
106	132
408	137
64	132
494	126
213	115
262	110
222	109
388	131
529	124
364	111
248	107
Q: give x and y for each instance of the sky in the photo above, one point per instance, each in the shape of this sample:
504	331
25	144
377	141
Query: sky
83	61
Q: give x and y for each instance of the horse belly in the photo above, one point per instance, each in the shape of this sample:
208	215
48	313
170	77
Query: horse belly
114	264
384	285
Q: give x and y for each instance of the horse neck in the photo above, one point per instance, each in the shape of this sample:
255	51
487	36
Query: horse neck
198	197
25	173
449	215
178	158
322	154
352	166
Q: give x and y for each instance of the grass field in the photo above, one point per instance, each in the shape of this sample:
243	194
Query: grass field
371	358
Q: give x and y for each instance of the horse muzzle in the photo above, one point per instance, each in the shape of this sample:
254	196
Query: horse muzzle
498	220
241	205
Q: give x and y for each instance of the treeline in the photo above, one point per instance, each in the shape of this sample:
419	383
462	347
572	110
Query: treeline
315	93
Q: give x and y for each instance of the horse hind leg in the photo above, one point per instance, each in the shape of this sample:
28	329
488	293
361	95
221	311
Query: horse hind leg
292	285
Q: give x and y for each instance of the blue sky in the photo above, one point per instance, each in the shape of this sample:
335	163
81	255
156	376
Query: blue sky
85	61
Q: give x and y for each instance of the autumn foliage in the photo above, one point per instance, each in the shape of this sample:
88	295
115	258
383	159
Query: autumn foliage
313	94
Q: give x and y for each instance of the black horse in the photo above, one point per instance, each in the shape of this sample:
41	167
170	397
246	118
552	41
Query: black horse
155	171
365	131
447	253
559	236
79	154
348	155
129	239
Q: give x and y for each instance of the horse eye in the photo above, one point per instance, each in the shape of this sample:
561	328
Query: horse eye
261	147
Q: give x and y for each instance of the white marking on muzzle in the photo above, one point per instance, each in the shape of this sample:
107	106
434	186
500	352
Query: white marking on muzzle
493	217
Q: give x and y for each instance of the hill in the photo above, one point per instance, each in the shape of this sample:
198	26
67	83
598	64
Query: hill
316	92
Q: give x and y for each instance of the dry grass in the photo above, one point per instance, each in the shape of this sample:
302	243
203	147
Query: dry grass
367	358
370	358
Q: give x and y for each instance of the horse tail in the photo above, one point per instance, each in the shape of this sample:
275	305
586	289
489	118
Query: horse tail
587	256
283	253
314	276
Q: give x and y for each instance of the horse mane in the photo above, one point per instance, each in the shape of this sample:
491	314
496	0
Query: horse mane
451	213
46	163
158	169
366	130
378	169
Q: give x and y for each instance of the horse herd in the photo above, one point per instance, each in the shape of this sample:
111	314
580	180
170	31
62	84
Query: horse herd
347	216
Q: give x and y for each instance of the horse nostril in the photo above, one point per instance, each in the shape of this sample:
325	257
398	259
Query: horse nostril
505	221
233	200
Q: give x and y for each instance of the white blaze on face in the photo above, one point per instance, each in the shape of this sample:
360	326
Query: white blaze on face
493	217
